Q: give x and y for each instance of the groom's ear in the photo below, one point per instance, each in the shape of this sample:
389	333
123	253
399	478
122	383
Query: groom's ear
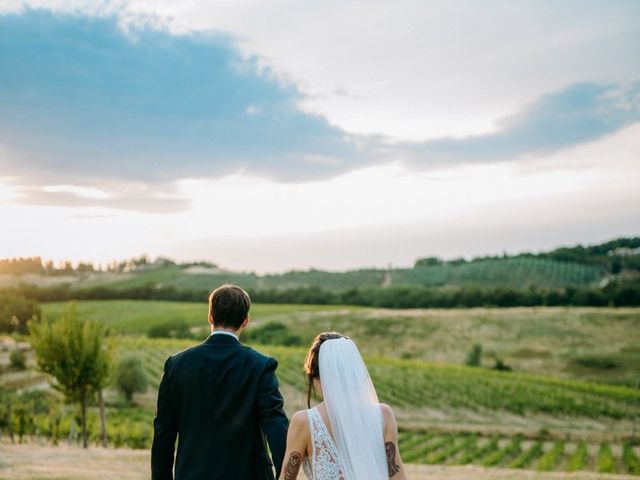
246	322
210	319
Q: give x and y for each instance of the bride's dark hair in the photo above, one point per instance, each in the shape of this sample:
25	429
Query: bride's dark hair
311	363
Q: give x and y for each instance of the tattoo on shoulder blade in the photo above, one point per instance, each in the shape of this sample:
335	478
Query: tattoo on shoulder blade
293	466
390	447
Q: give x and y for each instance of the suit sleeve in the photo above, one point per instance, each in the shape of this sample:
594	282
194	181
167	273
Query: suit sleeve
165	430
273	420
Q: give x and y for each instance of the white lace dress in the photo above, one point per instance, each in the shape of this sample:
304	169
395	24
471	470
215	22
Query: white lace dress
324	463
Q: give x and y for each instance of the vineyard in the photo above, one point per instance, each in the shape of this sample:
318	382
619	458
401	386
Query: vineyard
503	272
418	385
545	420
414	386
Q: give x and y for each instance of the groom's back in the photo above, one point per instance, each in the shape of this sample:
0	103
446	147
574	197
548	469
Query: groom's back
219	394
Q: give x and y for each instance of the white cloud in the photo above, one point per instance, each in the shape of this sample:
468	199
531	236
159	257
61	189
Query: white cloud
413	70
367	217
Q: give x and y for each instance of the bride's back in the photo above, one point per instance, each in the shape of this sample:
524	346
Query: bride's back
322	461
349	436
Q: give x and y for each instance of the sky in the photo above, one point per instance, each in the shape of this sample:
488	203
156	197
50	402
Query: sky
269	136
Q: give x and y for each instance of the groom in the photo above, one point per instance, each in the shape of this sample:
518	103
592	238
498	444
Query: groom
221	400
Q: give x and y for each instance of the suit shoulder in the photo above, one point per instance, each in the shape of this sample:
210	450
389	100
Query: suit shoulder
194	349
258	357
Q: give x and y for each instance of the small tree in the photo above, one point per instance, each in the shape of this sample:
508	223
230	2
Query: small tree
77	354
131	377
474	357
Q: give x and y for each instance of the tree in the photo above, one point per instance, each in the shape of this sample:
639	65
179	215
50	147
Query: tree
15	311
131	377
474	357
77	354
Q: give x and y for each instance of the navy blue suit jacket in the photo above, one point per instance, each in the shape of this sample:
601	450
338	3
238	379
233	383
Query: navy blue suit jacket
221	400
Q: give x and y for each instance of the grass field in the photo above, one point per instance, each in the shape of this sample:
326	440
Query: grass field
601	344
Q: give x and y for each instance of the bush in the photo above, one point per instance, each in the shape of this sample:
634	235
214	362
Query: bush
18	359
272	333
601	362
500	365
15	311
474	357
131	377
170	329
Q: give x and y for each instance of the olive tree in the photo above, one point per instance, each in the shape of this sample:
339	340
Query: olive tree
131	377
78	355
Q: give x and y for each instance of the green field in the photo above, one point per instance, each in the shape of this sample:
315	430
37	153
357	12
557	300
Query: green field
547	415
601	344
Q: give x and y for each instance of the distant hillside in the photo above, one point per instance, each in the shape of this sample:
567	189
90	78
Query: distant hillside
587	270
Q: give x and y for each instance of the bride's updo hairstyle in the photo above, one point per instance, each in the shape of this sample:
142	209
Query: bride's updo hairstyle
311	363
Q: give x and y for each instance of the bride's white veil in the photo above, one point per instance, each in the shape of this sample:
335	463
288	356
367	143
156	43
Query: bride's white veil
353	409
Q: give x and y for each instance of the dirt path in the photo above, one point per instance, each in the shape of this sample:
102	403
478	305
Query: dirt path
35	462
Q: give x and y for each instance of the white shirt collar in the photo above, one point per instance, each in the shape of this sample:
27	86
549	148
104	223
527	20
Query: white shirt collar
224	332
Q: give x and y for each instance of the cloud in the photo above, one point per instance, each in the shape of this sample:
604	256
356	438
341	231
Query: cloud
83	99
87	102
138	203
580	113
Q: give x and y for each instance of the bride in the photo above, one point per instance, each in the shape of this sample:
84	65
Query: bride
349	436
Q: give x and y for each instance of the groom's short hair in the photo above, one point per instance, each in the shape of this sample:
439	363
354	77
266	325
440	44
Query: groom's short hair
229	306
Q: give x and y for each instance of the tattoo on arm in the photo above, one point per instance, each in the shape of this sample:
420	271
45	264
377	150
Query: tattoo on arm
293	466
390	448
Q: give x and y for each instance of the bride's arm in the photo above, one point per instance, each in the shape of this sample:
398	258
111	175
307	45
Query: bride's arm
394	462
297	440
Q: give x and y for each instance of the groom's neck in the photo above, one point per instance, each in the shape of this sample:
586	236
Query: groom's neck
228	330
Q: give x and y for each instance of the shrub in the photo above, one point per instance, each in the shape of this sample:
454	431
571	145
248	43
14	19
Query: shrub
500	365
474	357
272	333
18	359
171	329
601	362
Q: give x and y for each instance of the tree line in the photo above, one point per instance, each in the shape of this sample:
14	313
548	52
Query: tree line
19	304
615	256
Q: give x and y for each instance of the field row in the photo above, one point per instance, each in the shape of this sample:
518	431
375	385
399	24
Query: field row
132	427
516	452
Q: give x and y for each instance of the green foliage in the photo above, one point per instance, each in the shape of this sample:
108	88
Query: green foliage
606	462
413	383
427	262
601	362
474	357
512	449
579	459
271	333
552	458
500	366
76	353
18	359
131	377
527	457
630	459
170	329
15	311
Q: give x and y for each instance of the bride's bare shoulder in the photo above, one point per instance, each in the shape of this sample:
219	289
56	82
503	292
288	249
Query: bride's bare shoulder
388	416
386	411
299	420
